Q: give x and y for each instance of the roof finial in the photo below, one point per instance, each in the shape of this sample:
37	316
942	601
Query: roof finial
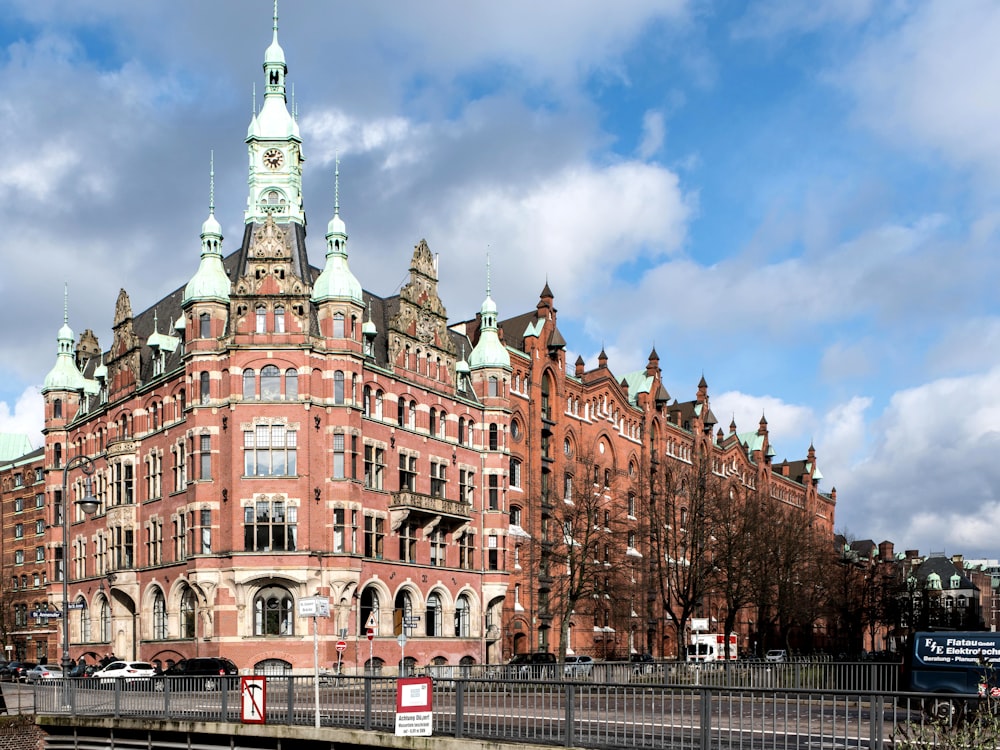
211	182
254	105
295	109
336	183
275	20
487	272
66	302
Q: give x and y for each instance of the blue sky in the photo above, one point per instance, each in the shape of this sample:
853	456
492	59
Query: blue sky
798	201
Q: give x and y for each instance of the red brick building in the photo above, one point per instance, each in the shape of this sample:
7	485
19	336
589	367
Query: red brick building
273	432
23	565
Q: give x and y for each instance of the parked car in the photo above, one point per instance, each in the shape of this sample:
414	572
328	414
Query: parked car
642	663
211	668
536	665
132	673
578	667
44	672
83	670
15	671
776	654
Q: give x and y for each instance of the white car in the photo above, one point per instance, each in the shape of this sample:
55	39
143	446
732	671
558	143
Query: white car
128	671
44	672
776	654
578	666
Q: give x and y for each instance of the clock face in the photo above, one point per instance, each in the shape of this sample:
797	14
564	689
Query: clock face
273	158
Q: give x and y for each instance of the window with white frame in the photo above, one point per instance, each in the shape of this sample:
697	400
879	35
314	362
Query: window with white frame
270	450
270	526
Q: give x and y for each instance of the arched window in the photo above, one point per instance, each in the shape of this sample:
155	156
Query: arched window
469	437
378	404
159	616
260	319
338	387
279	319
57	408
401	411
105	621
433	615
514	477
433	421
291	384
442	421
411	416
369	612
462	617
204	325
84	614
57	455
270	383
203	387
272	612
338	325
494	386
403	611
461	430
366	401
494	437
187	621
249	385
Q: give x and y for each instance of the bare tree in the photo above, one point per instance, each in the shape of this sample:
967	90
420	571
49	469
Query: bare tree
581	550
737	523
680	538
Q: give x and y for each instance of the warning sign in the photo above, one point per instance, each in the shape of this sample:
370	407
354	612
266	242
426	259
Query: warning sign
413	707
253	700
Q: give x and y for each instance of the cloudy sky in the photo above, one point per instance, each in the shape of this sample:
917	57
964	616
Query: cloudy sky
798	201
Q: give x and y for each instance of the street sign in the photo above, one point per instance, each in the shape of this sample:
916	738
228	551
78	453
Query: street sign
372	622
314	606
371	634
401	640
341	646
45	614
76	605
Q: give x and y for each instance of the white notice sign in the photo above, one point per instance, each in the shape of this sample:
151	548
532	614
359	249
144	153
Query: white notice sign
416	724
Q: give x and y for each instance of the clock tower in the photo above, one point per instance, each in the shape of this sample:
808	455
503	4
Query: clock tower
274	147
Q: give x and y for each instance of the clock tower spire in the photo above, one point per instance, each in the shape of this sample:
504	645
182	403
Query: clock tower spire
274	147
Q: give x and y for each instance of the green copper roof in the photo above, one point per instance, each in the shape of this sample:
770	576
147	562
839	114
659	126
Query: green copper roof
13	446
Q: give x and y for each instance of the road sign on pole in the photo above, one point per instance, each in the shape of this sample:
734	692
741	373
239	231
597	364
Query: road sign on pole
371	634
372	622
341	646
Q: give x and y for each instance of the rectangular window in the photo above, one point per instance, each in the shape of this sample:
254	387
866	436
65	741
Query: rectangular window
515	473
494	491
18	504
408	543
19	557
19	531
40	500
493	552
438	548
205	470
466	552
39	527
438	479
205	523
270	450
39	554
270	526
374	536
374	466
407	473
466	486
339	530
338	456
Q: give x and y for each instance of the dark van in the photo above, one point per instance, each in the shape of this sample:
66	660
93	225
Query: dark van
952	663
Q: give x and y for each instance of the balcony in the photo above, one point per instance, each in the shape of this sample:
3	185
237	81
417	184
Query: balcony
414	502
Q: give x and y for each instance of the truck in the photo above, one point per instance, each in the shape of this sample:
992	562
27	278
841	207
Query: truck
711	647
959	666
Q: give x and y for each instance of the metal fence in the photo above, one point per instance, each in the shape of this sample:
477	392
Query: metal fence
643	713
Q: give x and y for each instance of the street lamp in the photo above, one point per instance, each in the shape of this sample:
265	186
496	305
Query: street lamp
88	505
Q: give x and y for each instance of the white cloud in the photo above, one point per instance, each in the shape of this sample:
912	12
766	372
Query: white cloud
774	18
929	82
653	133
26	416
931	479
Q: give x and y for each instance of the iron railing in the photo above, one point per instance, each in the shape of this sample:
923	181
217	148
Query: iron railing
644	713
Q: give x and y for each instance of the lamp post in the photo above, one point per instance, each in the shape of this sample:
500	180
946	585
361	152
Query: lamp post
88	505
